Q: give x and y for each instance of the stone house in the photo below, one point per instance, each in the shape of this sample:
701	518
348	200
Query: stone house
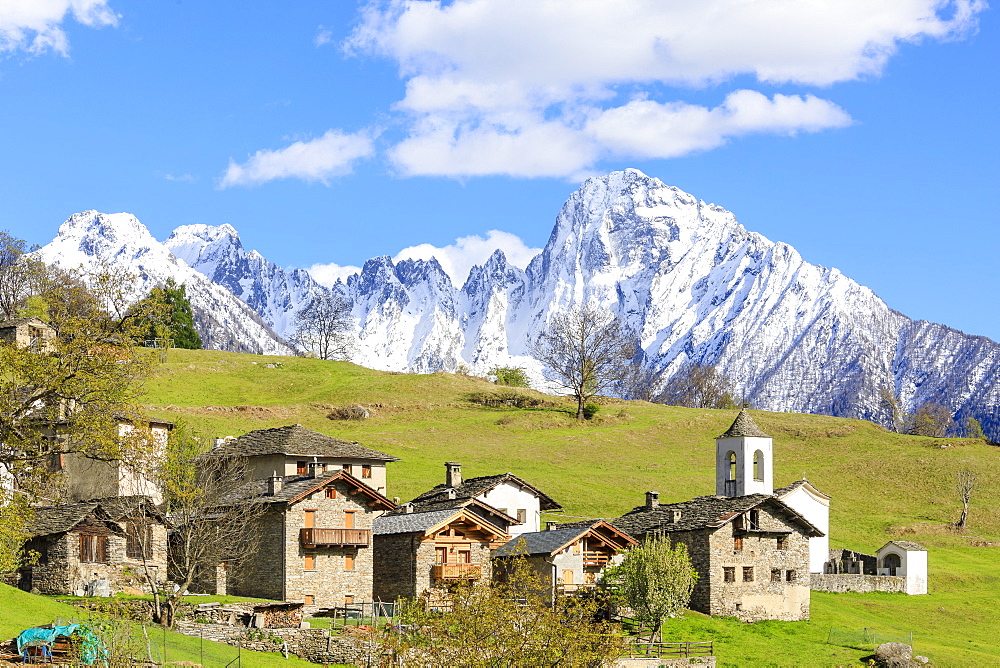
505	492
569	558
294	450
32	333
751	552
315	544
85	478
430	544
93	546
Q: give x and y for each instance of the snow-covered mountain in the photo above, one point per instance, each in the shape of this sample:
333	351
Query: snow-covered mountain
685	275
91	239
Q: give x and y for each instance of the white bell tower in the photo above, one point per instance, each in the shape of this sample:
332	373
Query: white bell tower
743	459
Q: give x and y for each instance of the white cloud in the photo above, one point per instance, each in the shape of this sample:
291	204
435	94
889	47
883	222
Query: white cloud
547	88
182	178
457	259
323	36
36	26
320	159
329	274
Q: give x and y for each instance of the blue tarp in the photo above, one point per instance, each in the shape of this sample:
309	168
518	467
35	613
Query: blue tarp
91	649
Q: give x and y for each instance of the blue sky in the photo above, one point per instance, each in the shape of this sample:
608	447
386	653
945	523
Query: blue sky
863	133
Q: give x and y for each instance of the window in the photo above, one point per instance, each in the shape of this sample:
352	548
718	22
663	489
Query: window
347	467
138	540
729	574
366	471
758	466
309	599
309	519
781	541
568	576
441	555
732	466
348	600
309	562
348	562
738	544
790	576
348	519
753	520
748	573
300	468
94	549
776	575
331	493
522	515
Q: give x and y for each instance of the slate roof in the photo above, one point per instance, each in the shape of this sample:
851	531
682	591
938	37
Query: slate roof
48	520
297	440
294	487
539	542
701	512
781	491
906	545
14	322
119	507
473	487
744	425
410	523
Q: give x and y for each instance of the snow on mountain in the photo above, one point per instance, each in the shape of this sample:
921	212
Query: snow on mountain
692	282
90	239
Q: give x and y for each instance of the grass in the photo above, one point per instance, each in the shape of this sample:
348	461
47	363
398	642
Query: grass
884	485
20	610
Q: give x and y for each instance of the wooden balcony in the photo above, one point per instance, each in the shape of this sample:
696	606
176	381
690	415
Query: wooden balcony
335	537
457	571
599	559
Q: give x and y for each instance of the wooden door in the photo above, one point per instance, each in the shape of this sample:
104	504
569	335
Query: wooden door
568	576
442	555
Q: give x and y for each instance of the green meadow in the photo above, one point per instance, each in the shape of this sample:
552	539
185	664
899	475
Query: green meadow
884	485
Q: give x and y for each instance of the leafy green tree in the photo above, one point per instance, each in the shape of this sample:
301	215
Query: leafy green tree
511	376
71	396
655	580
972	428
174	317
930	419
510	623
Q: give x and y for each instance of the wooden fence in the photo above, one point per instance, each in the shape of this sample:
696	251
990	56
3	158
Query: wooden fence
661	650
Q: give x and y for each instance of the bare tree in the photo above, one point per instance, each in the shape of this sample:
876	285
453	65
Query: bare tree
699	386
17	272
209	530
967	480
640	382
322	327
585	350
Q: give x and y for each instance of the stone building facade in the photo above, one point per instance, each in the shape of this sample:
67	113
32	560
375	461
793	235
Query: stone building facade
751	552
315	540
31	333
81	547
420	551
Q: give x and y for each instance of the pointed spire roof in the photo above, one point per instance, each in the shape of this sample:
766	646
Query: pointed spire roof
744	425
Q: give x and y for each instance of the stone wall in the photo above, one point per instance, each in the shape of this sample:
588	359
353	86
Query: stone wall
847	582
714	550
63	573
316	645
395	566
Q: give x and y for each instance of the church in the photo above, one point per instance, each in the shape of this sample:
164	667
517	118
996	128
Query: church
754	547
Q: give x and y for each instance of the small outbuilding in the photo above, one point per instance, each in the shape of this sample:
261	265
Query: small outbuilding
904	558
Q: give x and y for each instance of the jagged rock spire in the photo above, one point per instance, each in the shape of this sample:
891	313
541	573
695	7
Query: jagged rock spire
744	425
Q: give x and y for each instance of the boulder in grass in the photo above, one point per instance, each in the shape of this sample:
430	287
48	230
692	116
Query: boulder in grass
894	655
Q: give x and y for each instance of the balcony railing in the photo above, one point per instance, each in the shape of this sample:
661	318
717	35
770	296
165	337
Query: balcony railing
457	571
595	559
335	537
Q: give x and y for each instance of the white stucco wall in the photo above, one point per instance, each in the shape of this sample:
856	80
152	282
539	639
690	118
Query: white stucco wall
744	447
510	499
913	566
816	510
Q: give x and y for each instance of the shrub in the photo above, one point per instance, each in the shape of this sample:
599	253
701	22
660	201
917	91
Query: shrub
504	399
590	410
511	376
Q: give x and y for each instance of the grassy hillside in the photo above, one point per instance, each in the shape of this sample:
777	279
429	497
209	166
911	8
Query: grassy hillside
883	485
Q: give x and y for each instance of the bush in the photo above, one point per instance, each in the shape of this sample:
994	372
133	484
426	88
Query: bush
504	400
590	410
511	376
349	413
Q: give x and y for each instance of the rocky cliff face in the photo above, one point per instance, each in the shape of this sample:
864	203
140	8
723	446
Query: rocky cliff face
685	275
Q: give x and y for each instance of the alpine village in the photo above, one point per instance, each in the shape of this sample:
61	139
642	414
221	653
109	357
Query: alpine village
640	534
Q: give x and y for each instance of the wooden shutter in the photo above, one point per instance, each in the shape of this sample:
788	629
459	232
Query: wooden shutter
309	521
348	519
348	562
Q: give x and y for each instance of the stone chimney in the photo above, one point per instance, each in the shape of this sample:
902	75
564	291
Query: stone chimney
395	500
273	485
453	476
652	500
551	526
314	468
